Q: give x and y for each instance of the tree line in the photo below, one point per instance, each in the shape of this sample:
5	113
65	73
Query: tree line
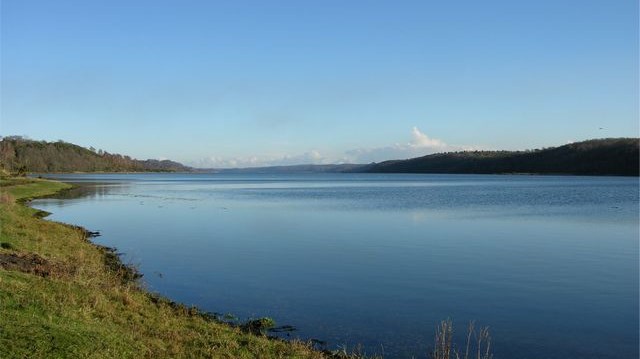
21	155
611	156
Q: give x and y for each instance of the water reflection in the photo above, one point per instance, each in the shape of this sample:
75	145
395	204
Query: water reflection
549	262
86	191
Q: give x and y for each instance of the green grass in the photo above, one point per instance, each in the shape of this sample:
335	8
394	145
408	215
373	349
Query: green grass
85	310
25	188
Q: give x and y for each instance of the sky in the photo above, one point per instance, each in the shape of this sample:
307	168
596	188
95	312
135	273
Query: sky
254	83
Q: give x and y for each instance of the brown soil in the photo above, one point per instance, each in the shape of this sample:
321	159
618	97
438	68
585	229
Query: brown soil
28	263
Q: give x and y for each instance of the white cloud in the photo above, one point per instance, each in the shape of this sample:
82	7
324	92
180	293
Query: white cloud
311	157
421	140
420	145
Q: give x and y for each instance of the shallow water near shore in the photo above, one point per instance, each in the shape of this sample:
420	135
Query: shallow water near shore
550	263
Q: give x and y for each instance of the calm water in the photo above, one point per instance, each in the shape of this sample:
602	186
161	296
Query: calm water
549	263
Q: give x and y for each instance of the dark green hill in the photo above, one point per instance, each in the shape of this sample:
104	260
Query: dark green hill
20	155
613	156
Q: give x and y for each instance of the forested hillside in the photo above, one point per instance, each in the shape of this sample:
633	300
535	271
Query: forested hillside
613	156
618	156
20	155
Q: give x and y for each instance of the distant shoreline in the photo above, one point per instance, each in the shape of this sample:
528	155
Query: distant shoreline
599	157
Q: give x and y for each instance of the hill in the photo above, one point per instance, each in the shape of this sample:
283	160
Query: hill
20	155
612	156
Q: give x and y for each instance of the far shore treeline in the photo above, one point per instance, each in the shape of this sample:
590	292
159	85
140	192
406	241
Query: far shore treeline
610	156
20	155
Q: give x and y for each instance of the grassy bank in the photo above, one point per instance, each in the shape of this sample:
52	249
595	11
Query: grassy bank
62	296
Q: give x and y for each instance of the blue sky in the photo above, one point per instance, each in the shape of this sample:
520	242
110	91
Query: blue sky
244	83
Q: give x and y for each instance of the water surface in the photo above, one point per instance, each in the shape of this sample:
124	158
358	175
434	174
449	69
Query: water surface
549	263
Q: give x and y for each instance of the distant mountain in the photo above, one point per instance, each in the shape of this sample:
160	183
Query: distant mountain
20	155
292	169
612	156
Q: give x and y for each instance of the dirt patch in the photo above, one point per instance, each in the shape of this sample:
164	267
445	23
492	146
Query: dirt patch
28	263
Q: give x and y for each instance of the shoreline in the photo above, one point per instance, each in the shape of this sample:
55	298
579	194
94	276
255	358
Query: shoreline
37	266
81	299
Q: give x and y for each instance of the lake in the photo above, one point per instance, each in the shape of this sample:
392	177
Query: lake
550	263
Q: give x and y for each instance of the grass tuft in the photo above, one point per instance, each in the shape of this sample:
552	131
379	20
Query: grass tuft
477	343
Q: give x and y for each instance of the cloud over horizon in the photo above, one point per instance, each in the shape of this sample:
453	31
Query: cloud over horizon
419	145
311	157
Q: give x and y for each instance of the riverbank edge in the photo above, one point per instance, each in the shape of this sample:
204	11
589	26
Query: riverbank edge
129	277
